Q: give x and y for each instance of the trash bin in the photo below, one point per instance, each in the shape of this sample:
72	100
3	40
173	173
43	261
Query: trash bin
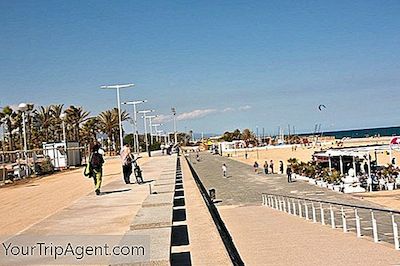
211	192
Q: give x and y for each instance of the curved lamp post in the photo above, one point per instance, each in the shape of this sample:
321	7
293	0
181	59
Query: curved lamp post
117	88
135	133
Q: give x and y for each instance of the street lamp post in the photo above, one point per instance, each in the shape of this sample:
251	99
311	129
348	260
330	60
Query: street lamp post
135	133
63	116
159	135
23	107
156	130
117	88
150	117
144	112
174	114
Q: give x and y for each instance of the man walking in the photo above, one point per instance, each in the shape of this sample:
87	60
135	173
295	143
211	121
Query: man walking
281	167
266	167
96	162
126	160
255	165
271	164
224	170
289	173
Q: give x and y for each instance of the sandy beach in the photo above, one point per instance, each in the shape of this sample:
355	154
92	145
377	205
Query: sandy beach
389	199
304	153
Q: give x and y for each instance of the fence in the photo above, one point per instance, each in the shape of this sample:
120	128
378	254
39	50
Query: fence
20	164
379	224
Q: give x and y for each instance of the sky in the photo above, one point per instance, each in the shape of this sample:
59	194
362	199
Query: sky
222	64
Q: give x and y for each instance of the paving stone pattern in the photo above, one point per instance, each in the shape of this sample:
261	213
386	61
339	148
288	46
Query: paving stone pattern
243	186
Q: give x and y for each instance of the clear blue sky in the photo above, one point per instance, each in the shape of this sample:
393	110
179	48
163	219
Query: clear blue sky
239	63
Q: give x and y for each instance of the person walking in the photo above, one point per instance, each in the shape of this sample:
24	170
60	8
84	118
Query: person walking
289	173
224	170
281	167
126	160
271	164
255	165
266	167
96	162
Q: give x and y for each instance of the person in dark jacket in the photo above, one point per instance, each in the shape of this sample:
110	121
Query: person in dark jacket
289	174
96	166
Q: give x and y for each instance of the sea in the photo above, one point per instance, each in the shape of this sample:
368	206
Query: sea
363	133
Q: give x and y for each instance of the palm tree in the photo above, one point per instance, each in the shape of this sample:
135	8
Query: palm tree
17	123
43	120
56	111
90	129
75	117
124	117
109	123
7	115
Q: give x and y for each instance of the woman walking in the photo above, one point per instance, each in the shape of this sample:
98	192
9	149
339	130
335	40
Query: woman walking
126	159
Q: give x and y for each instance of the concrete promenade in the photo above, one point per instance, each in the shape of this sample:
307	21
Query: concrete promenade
266	236
174	216
65	204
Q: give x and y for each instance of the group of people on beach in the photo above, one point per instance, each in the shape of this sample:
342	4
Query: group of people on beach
94	168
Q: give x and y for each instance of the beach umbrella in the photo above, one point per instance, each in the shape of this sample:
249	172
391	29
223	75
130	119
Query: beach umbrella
321	106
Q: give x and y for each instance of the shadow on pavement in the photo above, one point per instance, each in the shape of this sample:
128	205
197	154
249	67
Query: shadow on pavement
182	258
115	191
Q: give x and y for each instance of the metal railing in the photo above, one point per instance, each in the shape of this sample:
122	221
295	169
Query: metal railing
378	223
20	164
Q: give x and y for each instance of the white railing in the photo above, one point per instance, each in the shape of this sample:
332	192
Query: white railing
378	223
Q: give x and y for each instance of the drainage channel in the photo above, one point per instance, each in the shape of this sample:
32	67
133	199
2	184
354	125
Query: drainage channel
180	253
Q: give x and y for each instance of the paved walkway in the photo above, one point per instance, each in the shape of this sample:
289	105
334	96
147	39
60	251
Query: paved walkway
243	188
111	213
265	236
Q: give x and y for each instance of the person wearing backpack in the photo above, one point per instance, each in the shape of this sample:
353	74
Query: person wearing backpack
126	159
96	167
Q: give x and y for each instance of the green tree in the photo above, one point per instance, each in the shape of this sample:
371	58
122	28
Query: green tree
75	117
7	115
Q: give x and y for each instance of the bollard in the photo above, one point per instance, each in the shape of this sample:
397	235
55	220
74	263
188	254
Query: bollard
294	208
395	233
332	217
276	203
314	217
344	221
358	224
322	214
263	200
306	210
374	227
288	207
300	210
280	204
212	194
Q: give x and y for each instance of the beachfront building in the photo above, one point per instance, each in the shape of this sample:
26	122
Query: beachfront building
346	158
